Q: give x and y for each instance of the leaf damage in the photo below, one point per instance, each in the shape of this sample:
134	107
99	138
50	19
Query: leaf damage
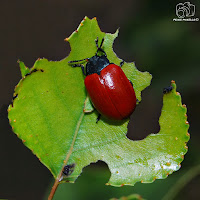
53	116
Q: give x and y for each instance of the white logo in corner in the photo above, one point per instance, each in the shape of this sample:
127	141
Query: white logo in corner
185	11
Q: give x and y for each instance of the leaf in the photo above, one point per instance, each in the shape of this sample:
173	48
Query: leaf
130	197
47	115
88	107
24	70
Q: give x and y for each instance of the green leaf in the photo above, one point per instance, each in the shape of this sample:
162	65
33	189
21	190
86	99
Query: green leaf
130	197
24	70
88	107
48	115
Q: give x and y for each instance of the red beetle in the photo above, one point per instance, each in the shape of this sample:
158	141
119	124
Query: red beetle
110	91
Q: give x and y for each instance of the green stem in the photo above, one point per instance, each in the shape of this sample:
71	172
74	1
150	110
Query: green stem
182	182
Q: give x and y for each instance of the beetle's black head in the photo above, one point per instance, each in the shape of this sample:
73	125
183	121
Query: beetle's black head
96	63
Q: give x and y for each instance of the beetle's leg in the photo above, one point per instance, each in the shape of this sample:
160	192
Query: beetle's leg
121	63
83	70
82	67
73	61
98	118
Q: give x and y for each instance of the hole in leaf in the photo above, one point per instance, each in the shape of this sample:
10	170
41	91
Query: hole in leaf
95	171
144	119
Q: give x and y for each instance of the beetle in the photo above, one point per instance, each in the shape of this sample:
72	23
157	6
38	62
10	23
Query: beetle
110	91
167	89
68	169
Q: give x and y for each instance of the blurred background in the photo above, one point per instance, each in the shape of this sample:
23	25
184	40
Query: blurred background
148	36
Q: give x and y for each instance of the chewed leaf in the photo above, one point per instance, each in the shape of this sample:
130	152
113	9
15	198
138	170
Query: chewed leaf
158	155
50	115
24	70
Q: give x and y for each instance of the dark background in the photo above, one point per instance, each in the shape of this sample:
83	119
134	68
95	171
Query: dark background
148	35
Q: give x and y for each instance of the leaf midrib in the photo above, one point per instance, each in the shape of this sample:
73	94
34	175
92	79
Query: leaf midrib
73	142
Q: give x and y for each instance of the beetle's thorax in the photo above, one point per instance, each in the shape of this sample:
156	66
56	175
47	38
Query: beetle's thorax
96	63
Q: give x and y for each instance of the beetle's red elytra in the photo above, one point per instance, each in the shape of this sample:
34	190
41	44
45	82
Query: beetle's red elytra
109	89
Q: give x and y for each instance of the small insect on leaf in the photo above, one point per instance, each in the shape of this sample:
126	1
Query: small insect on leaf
110	91
68	169
167	89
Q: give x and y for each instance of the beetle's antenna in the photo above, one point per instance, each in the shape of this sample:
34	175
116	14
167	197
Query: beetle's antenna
99	47
73	61
96	41
101	43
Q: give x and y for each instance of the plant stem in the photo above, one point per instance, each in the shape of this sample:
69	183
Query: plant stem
53	190
182	182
